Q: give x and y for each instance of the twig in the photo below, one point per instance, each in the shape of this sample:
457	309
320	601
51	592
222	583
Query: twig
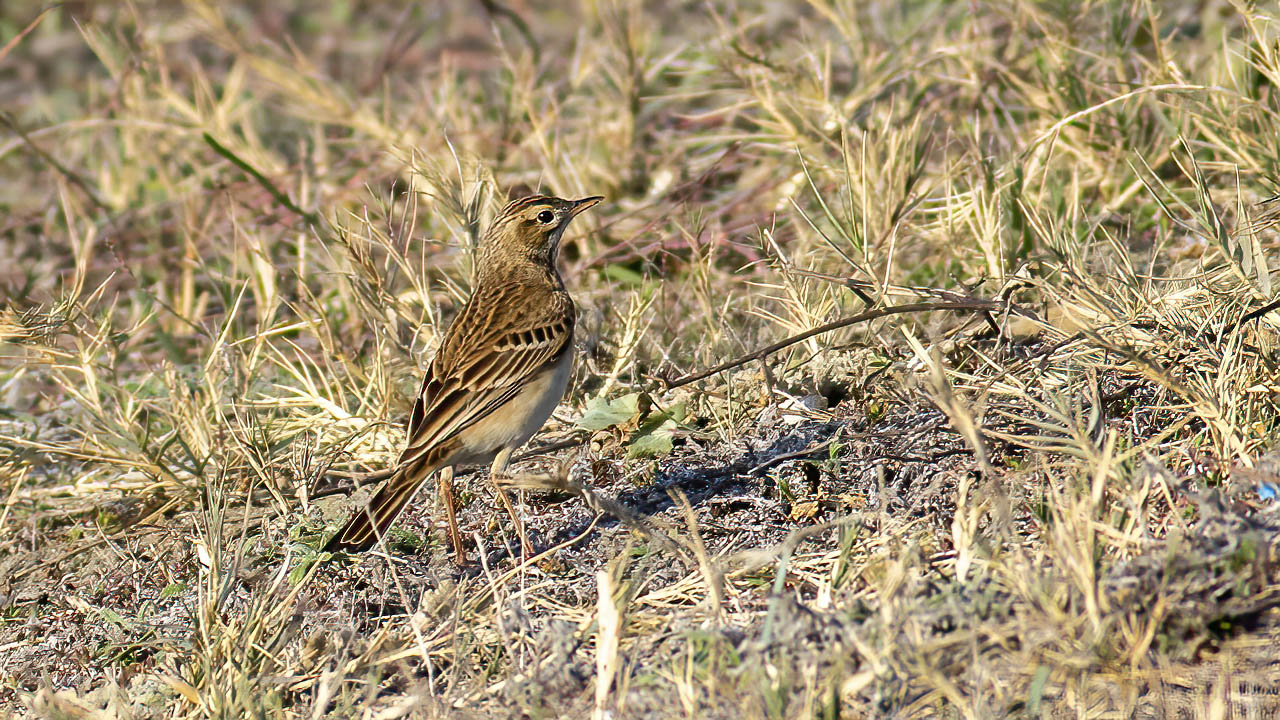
803	452
13	42
966	304
1254	315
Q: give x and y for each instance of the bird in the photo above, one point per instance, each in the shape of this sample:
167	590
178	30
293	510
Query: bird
501	369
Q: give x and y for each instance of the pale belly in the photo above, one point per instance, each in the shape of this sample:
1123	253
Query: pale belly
511	425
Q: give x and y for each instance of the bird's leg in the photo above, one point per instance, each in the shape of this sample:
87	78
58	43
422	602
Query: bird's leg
500	468
446	497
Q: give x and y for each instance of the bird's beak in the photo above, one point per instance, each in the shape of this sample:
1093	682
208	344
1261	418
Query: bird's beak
584	204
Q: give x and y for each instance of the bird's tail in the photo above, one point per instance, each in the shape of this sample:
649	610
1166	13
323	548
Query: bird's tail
368	523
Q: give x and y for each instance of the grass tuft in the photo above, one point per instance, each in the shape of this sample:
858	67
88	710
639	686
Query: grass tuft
926	367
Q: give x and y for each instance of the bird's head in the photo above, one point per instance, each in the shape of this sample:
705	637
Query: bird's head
531	227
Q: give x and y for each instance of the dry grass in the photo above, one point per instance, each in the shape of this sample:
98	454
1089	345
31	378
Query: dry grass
232	236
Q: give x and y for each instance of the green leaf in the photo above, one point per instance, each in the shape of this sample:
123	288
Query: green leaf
656	434
602	413
656	442
299	571
115	618
172	590
623	275
1035	692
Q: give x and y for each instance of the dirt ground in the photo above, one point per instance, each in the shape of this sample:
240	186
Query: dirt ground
100	611
927	361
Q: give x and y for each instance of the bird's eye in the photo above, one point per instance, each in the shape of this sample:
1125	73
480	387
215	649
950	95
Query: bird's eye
546	216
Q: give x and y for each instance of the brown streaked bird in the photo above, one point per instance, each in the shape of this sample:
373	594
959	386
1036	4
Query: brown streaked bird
501	369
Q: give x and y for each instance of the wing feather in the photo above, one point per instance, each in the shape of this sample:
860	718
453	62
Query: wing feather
484	361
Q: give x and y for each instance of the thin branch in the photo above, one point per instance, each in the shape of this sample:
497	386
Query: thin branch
1254	315
13	42
964	304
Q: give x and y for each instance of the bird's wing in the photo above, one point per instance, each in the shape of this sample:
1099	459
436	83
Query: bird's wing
497	344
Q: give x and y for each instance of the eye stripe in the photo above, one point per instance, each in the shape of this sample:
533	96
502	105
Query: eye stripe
516	206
